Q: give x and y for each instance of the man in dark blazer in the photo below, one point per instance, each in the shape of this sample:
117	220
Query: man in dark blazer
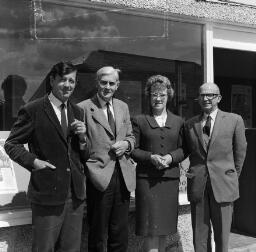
111	175
217	146
54	130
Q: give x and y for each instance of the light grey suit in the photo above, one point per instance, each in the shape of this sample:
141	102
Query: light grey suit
102	160
110	178
213	177
223	159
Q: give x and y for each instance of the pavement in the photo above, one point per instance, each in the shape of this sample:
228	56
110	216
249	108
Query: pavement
18	238
238	241
241	243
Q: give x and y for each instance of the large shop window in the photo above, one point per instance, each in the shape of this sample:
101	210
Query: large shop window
36	35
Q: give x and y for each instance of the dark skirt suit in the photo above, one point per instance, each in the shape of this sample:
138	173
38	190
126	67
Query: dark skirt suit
157	190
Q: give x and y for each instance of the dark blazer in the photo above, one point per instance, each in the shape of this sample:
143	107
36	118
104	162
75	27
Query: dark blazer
102	160
222	160
152	139
38	126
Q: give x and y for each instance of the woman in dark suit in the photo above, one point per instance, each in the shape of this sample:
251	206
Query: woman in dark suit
157	152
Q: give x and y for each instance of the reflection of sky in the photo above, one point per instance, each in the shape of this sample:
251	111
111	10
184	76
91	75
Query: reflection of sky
110	30
14	18
66	33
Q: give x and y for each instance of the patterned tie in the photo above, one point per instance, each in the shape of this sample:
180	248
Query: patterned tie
111	120
63	120
207	127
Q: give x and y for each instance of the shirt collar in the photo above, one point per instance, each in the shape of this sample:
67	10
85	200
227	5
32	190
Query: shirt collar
103	103
212	115
55	101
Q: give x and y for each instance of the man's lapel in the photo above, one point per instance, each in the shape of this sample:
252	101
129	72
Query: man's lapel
98	114
199	131
118	114
72	115
52	116
217	126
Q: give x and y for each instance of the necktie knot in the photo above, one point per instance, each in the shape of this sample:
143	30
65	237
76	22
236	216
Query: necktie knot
63	106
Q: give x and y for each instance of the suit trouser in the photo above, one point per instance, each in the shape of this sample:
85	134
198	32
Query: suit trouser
57	228
209	211
107	214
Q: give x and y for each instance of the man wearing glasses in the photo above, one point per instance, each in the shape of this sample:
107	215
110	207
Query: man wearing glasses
111	173
216	145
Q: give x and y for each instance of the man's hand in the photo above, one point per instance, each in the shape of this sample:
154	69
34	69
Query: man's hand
41	164
120	147
79	129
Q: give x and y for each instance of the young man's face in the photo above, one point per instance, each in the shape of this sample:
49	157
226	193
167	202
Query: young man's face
63	87
107	86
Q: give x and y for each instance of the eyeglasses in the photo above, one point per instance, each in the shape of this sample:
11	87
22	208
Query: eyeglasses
208	96
160	95
104	83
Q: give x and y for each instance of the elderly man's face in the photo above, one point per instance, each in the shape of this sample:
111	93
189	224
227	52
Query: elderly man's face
107	86
209	97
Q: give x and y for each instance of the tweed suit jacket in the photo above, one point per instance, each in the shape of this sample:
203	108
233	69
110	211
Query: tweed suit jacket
222	160
102	160
38	126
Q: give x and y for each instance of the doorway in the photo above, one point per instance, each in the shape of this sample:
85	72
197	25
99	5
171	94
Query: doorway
235	73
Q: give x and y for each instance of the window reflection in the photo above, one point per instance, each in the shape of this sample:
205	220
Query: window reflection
35	35
14	88
139	45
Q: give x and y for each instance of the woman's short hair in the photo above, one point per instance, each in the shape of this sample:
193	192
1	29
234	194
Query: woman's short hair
159	81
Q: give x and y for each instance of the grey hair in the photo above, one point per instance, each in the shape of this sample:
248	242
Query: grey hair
107	70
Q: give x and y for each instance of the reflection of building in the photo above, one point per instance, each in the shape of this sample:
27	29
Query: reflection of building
135	71
14	88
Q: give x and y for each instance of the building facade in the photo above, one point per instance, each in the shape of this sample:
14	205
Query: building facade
189	41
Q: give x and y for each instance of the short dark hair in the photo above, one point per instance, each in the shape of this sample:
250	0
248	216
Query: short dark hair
61	68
